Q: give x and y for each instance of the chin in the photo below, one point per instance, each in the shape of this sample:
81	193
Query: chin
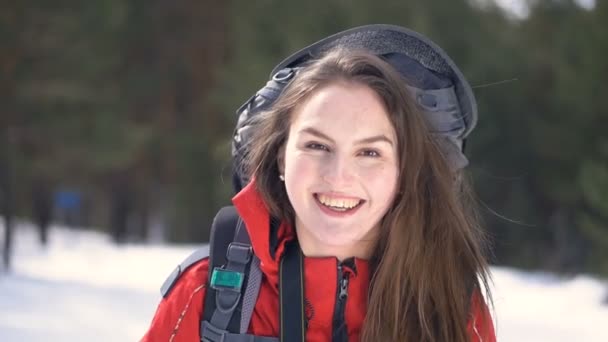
335	237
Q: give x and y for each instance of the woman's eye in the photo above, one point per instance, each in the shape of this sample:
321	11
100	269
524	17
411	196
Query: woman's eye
316	146
370	153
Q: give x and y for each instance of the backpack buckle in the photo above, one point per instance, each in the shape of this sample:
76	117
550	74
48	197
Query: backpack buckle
231	276
239	253
223	279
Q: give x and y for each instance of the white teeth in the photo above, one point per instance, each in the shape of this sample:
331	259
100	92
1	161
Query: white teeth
338	203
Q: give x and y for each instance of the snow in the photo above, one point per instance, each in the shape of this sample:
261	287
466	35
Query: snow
82	287
543	307
520	8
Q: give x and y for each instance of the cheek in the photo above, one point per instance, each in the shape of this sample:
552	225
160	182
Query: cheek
381	173
300	166
382	181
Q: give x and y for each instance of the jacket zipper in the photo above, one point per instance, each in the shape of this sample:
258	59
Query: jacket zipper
340	333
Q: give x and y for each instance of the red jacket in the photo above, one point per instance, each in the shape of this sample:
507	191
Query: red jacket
178	315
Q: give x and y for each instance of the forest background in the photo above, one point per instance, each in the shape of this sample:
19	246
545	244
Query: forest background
118	114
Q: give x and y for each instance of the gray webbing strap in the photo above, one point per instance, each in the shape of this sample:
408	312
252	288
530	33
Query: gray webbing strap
217	335
254	279
251	293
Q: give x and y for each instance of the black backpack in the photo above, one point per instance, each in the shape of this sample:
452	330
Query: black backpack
450	110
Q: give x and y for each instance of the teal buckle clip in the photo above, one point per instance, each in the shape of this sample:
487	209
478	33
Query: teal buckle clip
222	279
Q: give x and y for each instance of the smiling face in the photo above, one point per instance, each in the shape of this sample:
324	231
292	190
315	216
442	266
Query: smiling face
341	169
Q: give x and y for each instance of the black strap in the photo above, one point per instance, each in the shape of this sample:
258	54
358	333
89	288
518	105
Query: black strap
222	235
291	294
228	299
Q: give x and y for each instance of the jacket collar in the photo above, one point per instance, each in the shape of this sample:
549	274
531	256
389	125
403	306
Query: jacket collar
254	213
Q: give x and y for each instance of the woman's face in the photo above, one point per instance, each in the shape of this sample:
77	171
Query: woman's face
341	168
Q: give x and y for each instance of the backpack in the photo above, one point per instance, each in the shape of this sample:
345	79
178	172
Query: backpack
234	282
450	111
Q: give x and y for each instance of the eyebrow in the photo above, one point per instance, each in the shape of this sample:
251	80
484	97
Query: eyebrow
373	139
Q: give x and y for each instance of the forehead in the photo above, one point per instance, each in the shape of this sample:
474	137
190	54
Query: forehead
351	108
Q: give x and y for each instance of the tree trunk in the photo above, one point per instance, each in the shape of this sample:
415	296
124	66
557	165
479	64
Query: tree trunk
42	208
120	206
6	202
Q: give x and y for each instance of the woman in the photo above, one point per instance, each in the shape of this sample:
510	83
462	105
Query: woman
347	162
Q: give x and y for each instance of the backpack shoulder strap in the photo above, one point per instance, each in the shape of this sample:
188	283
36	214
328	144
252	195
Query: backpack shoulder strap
229	304
223	229
195	257
222	234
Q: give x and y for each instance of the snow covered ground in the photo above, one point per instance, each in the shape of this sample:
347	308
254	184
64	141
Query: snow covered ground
83	288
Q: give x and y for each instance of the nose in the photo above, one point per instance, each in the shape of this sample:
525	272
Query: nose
338	171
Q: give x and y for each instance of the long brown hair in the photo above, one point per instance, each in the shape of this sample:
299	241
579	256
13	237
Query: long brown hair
428	260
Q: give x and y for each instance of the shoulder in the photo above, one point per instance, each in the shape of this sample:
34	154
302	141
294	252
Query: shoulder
481	324
192	267
178	314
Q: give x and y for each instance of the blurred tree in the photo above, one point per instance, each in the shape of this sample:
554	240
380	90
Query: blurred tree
42	208
115	93
6	200
171	51
11	56
589	81
132	102
546	131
